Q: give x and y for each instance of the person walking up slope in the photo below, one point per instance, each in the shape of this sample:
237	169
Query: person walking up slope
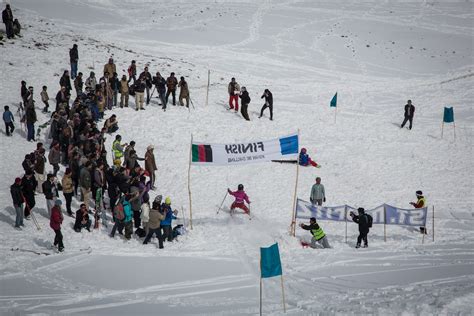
409	113
268	103
240	197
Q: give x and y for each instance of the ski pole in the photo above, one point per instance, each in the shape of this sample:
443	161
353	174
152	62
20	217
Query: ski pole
153	91
32	215
192	103
222	202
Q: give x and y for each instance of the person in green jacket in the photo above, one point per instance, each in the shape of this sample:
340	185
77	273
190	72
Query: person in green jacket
318	234
318	195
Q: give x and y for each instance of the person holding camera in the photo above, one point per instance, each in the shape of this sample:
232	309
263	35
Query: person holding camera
365	222
146	76
318	234
268	103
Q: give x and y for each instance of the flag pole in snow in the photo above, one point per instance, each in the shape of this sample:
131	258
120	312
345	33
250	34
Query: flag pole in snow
189	184
384	223
333	104
345	217
448	117
293	215
270	266
208	83
433	223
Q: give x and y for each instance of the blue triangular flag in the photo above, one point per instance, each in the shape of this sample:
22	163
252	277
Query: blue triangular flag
270	263
334	101
448	115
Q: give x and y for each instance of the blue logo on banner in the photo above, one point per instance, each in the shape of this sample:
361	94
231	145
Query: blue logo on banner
289	145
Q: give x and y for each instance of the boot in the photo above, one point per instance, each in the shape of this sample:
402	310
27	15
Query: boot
358	246
366	246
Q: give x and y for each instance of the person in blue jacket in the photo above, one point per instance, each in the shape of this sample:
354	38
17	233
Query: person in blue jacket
127	210
8	119
305	160
166	223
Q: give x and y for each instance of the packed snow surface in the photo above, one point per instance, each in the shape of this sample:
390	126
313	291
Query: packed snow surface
375	54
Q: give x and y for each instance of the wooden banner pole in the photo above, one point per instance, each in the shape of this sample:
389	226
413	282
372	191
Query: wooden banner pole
335	114
260	284
189	184
433	225
283	294
345	212
293	215
454	130
442	129
384	223
208	83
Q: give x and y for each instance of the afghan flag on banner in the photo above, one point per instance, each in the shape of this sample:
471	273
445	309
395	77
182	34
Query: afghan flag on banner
245	152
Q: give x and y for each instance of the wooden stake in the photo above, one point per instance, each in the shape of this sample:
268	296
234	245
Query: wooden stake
454	130
433	224
442	129
293	216
345	212
384	223
260	296
423	238
189	184
335	114
208	83
283	294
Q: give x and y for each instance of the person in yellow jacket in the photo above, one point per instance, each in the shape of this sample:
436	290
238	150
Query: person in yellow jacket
420	203
117	150
318	234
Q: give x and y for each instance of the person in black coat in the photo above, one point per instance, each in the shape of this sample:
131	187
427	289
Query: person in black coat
82	219
7	18
409	113
24	92
268	103
363	222
28	186
65	81
50	192
17	197
245	99
73	58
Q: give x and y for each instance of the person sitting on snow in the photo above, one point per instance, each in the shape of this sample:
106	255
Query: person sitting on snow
305	160
318	235
82	219
240	197
111	124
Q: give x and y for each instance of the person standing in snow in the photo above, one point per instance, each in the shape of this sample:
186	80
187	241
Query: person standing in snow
268	103
17	197
139	88
109	69
150	164
78	84
73	58
45	98
85	181
28	185
183	92
304	159
155	220
364	223
169	216
146	77
68	189
318	234
171	83
55	223
420	203
124	92
30	115
65	81
7	18
117	150
8	119
318	195
409	113
245	99
40	162
132	72
91	82
54	157
160	84
240	197
234	90
50	192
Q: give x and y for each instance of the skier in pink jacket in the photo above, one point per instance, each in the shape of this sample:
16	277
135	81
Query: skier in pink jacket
240	197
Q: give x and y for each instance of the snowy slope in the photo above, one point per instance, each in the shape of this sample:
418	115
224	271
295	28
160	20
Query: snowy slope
376	56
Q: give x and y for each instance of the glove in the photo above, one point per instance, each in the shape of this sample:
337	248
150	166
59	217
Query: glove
324	199
318	166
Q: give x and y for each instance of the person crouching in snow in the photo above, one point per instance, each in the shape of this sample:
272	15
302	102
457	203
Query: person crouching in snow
318	234
240	197
305	160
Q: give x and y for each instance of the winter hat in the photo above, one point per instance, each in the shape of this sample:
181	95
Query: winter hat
419	192
17	180
151	147
361	210
303	150
168	200
158	198
58	202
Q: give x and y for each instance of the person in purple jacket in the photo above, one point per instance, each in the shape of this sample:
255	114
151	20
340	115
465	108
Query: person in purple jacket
240	197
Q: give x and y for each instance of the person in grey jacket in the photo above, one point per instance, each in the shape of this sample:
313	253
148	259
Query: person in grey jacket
318	195
85	182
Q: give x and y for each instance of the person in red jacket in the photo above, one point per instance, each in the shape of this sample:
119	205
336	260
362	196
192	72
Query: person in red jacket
240	197
55	223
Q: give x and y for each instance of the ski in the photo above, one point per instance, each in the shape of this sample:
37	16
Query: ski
39	253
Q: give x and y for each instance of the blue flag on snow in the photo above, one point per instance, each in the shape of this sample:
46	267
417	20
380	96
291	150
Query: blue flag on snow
270	263
334	101
448	115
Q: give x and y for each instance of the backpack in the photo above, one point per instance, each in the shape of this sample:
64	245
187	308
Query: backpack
118	212
369	220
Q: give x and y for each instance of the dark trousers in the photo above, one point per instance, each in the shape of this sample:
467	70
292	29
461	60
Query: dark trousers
162	95
147	95
73	70
9	29
136	218
58	239
9	128
31	131
263	109
167	232
55	168
362	236
406	120
29	204
244	112
173	92
68	197
118	225
158	234
46	106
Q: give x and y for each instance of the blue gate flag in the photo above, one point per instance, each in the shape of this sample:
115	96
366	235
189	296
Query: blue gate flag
334	101
270	263
448	115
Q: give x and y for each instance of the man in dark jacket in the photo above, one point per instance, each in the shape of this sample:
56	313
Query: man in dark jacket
171	84
17	197
30	117
73	58
245	100
160	84
146	75
50	192
363	222
78	84
409	113
82	219
28	185
7	17
65	81
268	103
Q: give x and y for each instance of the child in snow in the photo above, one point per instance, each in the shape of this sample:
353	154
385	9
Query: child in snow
305	160
240	197
420	203
318	234
8	119
45	98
